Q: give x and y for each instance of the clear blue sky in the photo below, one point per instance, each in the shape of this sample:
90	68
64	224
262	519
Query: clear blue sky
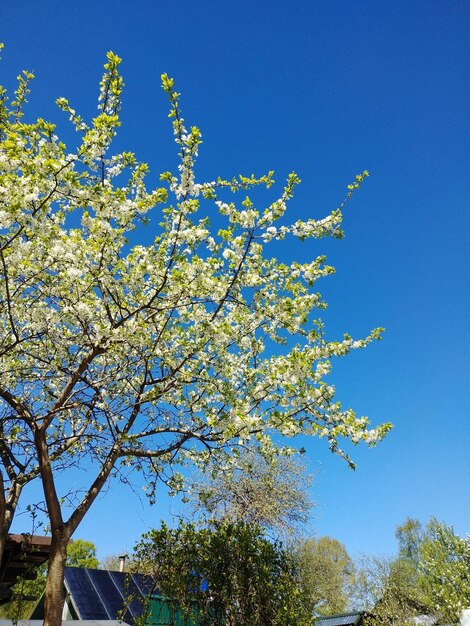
325	88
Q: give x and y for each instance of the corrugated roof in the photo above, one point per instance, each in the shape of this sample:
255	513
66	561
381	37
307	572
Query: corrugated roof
104	595
345	619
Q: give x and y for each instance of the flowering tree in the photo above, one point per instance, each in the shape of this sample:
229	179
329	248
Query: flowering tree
147	355
445	569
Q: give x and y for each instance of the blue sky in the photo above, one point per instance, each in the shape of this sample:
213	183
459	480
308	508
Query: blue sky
325	88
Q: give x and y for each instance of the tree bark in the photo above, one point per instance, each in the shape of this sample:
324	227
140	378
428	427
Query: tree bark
3	517
63	531
54	596
8	504
3	538
5	523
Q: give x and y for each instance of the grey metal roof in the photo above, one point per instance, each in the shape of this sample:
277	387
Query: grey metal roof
345	619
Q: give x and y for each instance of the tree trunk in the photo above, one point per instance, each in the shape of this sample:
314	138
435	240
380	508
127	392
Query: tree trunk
3	538
54	597
7	509
63	531
4	526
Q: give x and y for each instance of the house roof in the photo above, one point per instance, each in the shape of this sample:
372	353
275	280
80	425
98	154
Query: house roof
343	619
22	556
39	622
103	595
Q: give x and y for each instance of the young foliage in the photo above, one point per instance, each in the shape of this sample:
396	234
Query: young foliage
326	573
429	576
445	569
82	553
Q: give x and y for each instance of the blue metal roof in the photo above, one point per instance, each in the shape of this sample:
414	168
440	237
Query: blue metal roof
103	595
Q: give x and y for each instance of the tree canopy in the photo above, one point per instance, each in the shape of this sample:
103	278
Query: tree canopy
137	332
388	589
429	576
82	553
409	535
226	574
272	493
445	570
326	573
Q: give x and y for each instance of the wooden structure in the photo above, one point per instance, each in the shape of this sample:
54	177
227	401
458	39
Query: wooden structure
22	556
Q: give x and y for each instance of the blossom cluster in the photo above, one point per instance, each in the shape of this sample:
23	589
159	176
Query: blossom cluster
165	351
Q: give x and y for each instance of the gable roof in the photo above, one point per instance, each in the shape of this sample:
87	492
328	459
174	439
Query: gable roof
104	595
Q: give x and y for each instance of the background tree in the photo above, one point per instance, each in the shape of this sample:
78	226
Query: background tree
391	588
327	572
148	356
410	536
82	553
430	576
388	589
228	574
113	562
445	568
270	492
